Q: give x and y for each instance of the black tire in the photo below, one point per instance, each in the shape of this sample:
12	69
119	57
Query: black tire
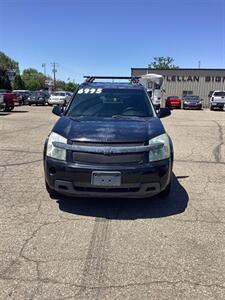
9	108
211	108
165	193
52	194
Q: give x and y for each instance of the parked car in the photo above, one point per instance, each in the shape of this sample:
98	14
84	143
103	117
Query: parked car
23	94
37	98
173	102
10	99
109	142
46	93
59	98
2	103
217	100
192	102
68	99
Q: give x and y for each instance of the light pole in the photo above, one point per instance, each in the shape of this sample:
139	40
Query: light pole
44	66
54	70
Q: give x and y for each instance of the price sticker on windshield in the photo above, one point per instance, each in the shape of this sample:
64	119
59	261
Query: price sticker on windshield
89	91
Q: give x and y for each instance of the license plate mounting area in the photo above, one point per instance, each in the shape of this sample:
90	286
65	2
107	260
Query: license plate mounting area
106	179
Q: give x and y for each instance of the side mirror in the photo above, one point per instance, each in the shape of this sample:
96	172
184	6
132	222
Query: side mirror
164	112
57	110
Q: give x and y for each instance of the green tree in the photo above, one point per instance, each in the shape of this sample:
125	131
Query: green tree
33	79
162	62
6	63
71	86
60	85
18	83
4	80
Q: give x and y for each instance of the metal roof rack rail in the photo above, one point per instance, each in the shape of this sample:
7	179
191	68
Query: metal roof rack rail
131	78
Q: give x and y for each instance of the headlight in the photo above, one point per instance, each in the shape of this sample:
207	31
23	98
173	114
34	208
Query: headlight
163	152
53	151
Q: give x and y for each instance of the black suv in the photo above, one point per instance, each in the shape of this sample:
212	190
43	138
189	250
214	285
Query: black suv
108	142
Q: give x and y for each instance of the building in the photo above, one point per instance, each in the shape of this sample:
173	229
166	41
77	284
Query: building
182	82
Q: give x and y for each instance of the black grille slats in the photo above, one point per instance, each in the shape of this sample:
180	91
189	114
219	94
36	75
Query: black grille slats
112	159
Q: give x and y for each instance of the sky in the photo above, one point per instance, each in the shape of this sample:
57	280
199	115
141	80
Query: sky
108	37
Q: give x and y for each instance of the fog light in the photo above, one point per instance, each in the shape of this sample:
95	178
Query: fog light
52	171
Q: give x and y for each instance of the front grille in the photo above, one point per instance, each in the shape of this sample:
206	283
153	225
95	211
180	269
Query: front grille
94	158
113	159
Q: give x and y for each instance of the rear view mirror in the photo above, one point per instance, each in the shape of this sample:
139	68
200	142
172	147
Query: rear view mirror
57	110
164	112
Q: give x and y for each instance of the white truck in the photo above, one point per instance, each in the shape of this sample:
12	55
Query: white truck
217	100
153	84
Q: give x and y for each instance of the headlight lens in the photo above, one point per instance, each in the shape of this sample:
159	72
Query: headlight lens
53	151
163	152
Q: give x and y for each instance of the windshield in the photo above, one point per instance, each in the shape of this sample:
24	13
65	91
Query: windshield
37	94
107	103
173	98
220	94
192	98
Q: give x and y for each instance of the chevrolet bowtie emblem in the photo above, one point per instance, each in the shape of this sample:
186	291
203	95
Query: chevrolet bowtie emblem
108	151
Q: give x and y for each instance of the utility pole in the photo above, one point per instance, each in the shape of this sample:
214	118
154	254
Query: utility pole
44	66
54	70
199	64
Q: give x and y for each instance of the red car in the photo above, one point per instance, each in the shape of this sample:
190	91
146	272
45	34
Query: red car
10	99
173	102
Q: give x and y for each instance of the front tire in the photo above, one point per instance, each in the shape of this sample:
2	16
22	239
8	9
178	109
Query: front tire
9	108
165	193
52	193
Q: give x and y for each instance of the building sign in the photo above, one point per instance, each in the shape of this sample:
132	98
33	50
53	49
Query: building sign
194	78
214	79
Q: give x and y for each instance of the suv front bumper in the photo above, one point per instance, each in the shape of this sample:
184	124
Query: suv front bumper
218	104
137	181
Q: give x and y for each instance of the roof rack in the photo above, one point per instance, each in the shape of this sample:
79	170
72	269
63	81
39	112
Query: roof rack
131	78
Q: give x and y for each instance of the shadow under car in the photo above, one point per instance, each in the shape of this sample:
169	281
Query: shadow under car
129	209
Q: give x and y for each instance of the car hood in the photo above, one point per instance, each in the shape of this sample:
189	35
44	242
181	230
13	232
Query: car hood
36	97
109	131
193	101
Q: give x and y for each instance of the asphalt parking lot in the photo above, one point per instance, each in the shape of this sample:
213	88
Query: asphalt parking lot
170	248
